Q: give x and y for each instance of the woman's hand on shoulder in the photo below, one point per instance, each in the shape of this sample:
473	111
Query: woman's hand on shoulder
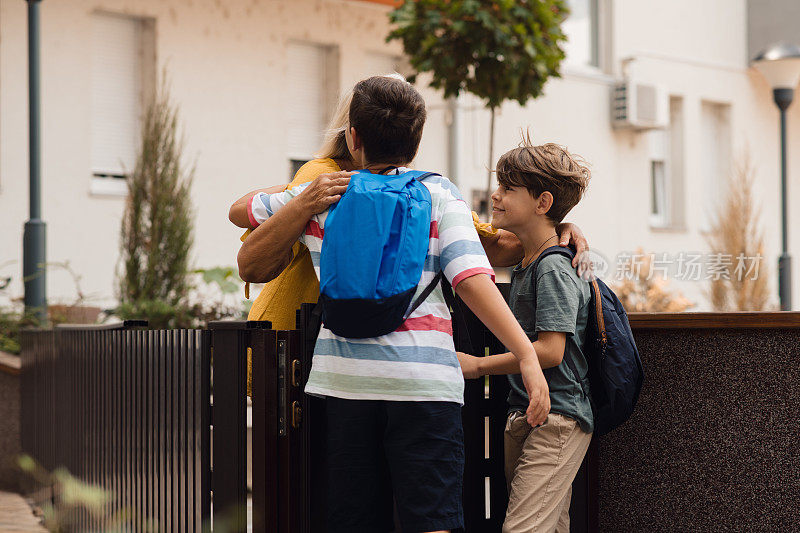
326	189
569	233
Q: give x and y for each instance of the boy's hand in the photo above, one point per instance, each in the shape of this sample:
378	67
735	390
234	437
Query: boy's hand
325	190
538	391
569	233
469	365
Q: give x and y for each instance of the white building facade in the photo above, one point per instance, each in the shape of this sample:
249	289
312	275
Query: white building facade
256	81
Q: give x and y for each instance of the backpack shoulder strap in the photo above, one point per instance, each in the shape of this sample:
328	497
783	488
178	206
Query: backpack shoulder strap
426	175
423	295
458	315
449	299
569	254
553	250
420	175
560	250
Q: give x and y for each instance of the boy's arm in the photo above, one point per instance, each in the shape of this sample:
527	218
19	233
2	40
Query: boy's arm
280	222
484	299
238	211
558	302
549	348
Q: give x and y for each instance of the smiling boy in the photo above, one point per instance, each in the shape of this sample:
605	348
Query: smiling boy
538	186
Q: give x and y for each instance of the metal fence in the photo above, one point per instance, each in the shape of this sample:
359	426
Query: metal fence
160	419
288	429
126	409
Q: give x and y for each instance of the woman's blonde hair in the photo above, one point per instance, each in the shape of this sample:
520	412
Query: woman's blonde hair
335	144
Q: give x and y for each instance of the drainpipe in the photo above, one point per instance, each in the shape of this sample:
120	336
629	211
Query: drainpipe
33	239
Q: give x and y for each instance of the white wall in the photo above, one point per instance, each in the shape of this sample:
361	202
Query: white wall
226	61
696	51
226	65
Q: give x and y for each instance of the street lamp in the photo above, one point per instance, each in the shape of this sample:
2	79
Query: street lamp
33	237
780	65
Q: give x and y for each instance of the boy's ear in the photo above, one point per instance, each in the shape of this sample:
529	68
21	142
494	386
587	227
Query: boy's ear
544	202
357	142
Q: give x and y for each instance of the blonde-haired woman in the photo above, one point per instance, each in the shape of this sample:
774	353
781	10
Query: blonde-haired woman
297	283
285	265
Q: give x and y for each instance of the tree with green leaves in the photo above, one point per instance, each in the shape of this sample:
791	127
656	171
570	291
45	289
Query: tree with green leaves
157	227
497	50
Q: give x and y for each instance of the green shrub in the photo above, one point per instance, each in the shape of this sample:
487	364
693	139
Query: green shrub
157	227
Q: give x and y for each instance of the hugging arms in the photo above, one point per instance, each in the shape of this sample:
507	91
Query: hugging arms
268	249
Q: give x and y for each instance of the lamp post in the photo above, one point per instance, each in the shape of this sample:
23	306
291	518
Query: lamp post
33	239
780	65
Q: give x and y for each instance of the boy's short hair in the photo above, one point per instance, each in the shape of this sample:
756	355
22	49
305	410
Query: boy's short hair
388	114
547	167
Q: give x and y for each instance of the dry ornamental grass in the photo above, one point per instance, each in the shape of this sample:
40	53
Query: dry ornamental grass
736	233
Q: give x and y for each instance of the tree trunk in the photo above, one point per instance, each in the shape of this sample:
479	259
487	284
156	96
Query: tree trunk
490	167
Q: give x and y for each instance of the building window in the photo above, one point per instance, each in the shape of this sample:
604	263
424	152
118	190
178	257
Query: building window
377	64
311	94
119	81
581	29
481	203
658	199
716	160
295	165
677	210
666	171
659	178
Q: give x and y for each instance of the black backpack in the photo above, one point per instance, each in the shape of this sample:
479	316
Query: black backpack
615	368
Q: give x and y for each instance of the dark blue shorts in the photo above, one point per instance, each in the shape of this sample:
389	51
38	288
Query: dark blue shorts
412	451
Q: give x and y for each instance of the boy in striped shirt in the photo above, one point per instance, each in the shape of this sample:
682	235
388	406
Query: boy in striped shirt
393	402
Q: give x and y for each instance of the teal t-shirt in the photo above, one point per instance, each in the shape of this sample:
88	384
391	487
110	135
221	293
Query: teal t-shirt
561	303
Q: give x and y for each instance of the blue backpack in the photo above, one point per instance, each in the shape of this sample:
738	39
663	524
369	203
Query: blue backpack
615	369
374	249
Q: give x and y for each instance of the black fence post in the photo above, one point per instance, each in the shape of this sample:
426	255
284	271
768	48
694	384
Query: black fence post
202	434
265	431
288	432
230	340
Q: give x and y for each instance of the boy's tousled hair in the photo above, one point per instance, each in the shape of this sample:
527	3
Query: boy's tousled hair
389	115
547	167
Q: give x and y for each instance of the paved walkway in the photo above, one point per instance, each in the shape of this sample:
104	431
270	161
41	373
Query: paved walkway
16	514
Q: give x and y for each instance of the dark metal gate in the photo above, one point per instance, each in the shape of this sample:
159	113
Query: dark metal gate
159	418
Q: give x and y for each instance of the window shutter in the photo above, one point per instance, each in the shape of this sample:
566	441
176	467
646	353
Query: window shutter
376	64
581	29
116	93
306	99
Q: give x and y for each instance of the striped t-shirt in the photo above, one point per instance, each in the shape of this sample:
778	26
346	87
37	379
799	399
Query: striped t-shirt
417	362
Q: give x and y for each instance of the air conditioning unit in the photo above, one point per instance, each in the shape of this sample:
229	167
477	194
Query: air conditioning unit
641	106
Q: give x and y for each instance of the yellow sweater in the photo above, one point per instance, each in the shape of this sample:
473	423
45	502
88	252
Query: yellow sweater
297	284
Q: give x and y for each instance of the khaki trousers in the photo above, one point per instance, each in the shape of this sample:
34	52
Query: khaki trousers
540	467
